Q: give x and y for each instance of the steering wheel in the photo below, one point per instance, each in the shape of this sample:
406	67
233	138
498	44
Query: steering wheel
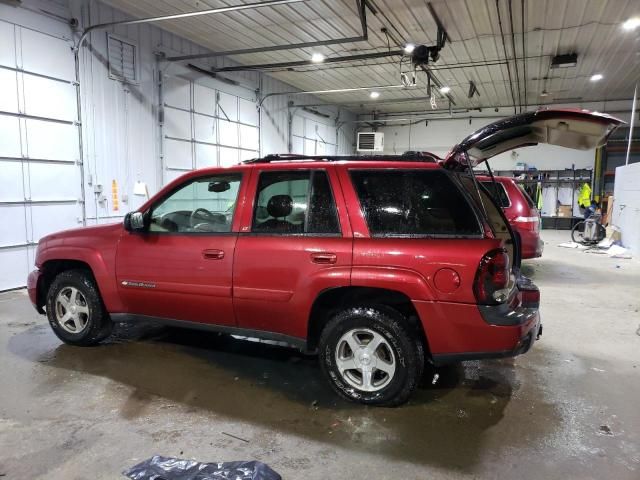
200	216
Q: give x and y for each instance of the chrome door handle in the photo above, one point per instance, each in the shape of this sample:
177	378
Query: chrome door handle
324	258
213	254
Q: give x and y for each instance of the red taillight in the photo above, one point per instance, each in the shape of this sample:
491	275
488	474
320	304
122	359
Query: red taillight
492	278
532	222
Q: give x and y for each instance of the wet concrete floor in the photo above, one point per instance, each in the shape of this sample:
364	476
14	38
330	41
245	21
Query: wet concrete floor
567	409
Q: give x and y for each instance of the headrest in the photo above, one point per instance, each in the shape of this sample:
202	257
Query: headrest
280	206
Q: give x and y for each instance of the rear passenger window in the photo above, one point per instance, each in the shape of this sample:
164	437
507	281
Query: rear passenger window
498	192
295	202
413	202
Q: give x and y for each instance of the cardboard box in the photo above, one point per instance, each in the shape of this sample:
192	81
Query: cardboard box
565	211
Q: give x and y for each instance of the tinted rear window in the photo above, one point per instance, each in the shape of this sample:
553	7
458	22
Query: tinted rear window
413	202
498	192
527	197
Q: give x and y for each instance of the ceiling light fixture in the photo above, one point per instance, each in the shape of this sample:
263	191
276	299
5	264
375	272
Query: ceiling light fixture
374	94
445	89
596	78
409	48
317	58
631	24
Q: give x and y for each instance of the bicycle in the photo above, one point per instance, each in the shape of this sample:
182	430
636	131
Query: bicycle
589	231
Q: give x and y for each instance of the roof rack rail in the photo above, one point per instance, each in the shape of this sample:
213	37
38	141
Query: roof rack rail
405	157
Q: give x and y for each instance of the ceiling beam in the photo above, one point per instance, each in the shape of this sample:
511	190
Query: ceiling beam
304	63
362	6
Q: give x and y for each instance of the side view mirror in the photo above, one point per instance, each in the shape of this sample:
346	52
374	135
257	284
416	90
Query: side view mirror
133	221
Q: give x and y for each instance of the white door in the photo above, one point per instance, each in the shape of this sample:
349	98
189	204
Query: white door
312	137
40	184
204	126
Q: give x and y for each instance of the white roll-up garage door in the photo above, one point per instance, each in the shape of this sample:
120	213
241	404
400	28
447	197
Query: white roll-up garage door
40	179
205	126
310	136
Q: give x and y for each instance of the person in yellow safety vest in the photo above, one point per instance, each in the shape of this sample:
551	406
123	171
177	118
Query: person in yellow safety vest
584	196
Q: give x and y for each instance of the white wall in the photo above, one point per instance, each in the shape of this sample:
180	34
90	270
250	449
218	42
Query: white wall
121	129
40	175
442	133
626	205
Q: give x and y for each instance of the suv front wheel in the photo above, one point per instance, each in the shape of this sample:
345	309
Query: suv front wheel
369	356
75	310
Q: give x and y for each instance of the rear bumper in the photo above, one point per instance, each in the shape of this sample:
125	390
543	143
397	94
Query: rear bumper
532	244
32	289
523	345
457	332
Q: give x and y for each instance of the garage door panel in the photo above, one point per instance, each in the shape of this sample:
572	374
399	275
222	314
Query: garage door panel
177	154
8	90
15	266
228	133
204	128
11	181
228	157
7	45
297	145
54	181
206	155
229	104
177	92
204	100
248	112
49	98
10	137
297	126
309	147
248	155
14	231
58	61
52	141
171	175
47	219
249	137
178	124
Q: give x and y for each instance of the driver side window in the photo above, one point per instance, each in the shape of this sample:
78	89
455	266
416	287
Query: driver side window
205	204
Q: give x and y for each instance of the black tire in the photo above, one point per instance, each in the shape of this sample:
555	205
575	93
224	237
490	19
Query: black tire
401	341
577	232
96	322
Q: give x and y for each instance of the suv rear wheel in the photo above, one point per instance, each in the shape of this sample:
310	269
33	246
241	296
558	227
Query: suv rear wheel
75	310
369	356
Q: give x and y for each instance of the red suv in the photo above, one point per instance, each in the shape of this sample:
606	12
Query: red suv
520	211
378	264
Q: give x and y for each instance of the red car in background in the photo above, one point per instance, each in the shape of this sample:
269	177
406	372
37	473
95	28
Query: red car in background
521	212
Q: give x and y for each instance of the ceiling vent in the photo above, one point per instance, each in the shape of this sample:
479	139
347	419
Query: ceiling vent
370	142
564	61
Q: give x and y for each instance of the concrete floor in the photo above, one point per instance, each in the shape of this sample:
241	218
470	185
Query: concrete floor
568	409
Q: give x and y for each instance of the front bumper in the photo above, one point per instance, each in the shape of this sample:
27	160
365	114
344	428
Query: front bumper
32	288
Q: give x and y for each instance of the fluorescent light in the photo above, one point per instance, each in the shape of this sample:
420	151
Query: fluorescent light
631	24
317	58
596	78
409	48
445	89
374	94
